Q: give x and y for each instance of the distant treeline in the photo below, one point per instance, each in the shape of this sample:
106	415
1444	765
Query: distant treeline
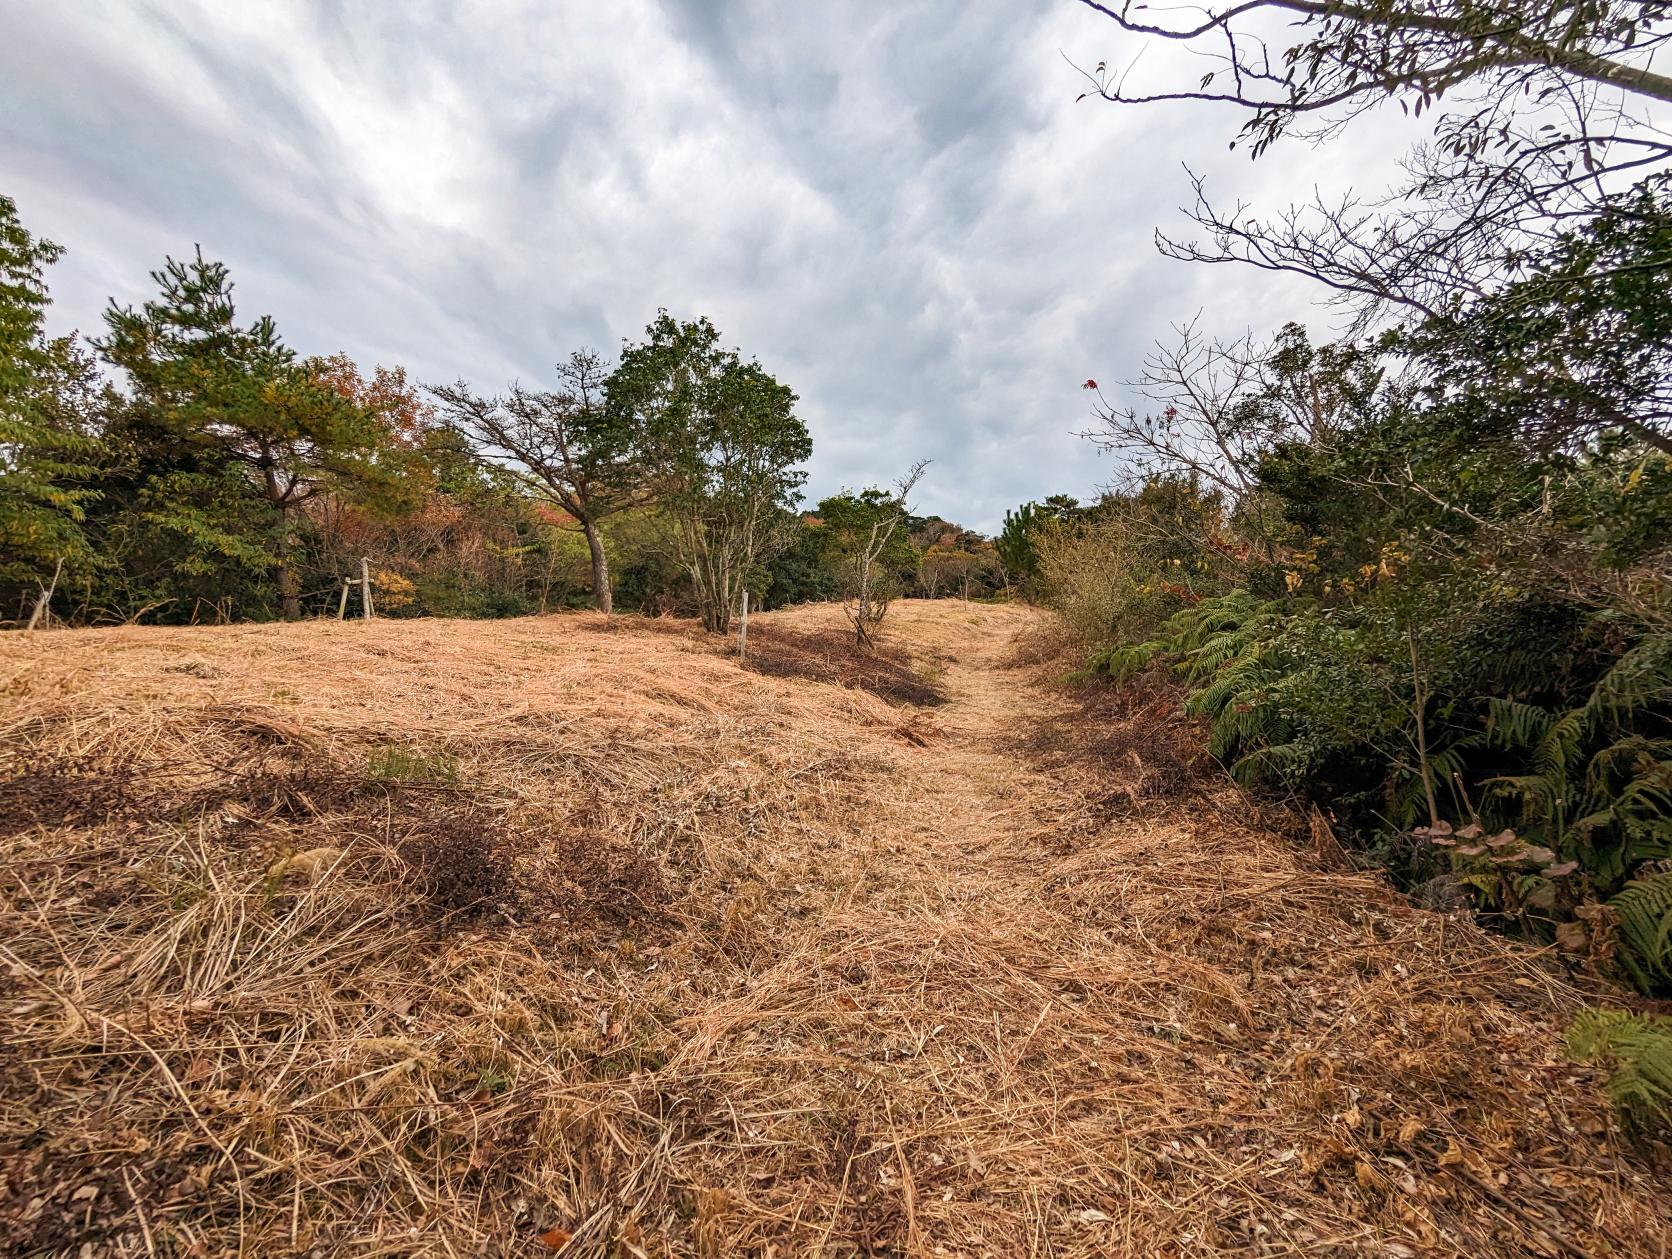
183	467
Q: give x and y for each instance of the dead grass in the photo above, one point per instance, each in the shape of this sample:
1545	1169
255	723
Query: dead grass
1129	748
628	950
832	655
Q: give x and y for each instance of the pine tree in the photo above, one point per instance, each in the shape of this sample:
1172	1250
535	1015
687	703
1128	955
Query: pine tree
44	451
230	432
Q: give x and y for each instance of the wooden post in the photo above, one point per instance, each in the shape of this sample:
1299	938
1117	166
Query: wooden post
366	589
342	603
743	630
45	597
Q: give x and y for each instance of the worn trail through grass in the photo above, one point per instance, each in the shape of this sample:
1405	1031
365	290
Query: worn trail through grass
625	949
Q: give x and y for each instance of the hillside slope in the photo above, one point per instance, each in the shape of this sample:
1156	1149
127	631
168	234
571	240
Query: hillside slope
455	938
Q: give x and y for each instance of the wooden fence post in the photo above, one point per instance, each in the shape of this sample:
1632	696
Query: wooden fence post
342	602
366	588
743	630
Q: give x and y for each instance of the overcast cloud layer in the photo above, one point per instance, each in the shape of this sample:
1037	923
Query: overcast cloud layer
898	208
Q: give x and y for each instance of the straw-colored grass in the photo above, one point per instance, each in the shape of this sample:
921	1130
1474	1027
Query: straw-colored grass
447	938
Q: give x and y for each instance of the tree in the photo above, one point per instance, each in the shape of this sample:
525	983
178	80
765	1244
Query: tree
1015	542
1352	56
230	413
562	446
46	389
1018	542
1217	405
717	443
1543	126
805	570
872	546
1580	344
386	394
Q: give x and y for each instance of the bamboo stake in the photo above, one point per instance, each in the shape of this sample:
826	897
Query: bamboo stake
45	597
1419	708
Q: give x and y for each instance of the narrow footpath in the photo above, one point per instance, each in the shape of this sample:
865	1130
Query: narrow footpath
1058	1012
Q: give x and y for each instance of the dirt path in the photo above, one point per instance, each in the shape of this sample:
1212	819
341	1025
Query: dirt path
1049	1018
517	938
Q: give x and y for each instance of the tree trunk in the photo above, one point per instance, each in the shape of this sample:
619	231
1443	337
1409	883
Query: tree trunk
600	569
290	594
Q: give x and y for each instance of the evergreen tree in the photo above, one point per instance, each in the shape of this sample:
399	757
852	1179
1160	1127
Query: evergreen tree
228	433
45	445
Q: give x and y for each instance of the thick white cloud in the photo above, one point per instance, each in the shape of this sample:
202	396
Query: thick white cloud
899	208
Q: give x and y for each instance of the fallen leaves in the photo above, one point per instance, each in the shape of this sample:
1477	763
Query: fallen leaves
554	1239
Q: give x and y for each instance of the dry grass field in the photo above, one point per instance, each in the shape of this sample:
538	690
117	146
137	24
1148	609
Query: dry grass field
549	936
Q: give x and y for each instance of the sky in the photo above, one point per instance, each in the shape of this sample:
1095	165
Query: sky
899	208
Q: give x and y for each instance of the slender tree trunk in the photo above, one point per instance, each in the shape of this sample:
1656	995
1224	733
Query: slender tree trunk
45	597
290	594
600	569
1419	709
1654	437
290	590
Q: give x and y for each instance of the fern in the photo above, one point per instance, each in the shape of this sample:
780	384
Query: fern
1639	1050
1126	661
1643	915
1512	724
1599	781
1639	679
1284	762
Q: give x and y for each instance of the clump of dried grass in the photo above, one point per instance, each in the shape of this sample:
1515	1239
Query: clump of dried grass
761	975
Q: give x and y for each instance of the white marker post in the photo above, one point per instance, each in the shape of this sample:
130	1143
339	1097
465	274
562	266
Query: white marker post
366	588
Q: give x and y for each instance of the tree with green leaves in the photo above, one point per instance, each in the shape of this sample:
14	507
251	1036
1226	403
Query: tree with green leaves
561	447
871	546
718	446
1544	114
231	435
1018	542
48	391
1579	344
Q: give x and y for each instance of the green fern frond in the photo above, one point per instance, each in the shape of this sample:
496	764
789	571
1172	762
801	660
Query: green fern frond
1648	796
1639	1050
1279	762
1534	790
1643	916
1236	683
1126	661
1510	723
1557	754
1641	677
1648	841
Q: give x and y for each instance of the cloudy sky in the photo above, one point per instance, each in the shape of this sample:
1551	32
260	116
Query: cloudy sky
899	208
